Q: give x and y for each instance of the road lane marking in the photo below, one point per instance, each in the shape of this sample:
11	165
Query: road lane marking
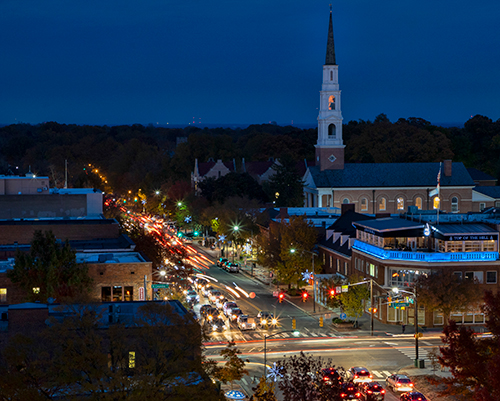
386	372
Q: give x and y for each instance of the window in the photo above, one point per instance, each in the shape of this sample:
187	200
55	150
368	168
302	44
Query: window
400	204
438	318
331	75
418	203
469	275
491	277
372	270
3	294
345	268
117	293
345	201
36	290
364	204
482	206
435	202
458	275
338	264
131	359
479	277
129	294
331	102
497	204
332	131
382	204
106	294
454	204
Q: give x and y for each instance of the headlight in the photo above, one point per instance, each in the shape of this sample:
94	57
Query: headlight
234	316
210	317
214	327
253	324
274	321
264	321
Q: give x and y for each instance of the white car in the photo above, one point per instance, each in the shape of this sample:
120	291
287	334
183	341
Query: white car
227	307
400	383
246	323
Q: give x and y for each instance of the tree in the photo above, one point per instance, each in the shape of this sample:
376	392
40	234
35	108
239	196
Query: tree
326	285
286	186
353	300
300	378
443	292
50	270
234	368
474	361
264	391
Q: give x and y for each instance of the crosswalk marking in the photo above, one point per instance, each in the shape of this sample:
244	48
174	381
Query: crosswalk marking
244	381
377	373
386	373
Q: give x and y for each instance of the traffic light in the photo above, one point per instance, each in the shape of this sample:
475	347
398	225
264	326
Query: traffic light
374	310
305	295
281	296
294	324
196	233
332	293
389	299
321	321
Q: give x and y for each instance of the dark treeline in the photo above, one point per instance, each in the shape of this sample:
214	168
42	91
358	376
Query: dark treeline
147	157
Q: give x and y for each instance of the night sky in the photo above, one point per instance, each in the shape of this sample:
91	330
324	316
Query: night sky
234	62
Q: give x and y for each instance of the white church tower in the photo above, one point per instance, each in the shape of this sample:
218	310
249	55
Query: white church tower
330	146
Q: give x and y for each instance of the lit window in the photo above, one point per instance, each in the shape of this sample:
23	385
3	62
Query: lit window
364	204
454	204
382	204
400	204
331	102
418	203
435	202
3	294
131	359
36	290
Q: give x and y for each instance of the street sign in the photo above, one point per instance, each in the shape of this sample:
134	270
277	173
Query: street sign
345	288
338	289
399	304
343	316
159	285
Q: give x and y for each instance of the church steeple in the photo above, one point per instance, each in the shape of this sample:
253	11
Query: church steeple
330	44
330	146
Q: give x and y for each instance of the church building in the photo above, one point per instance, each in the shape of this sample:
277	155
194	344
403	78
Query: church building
375	187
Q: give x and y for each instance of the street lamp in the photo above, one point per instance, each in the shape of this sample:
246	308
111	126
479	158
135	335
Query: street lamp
235	233
314	274
295	333
414	294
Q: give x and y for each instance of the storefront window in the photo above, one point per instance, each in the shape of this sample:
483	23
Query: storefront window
117	293
106	294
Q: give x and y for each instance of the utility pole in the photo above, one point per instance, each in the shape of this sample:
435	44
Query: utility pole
371	303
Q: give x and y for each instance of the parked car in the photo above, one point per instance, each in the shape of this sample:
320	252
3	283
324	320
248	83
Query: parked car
350	391
266	319
413	396
330	376
246	323
400	383
221	262
232	267
372	391
359	374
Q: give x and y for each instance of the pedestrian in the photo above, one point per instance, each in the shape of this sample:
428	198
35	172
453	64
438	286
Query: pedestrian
403	327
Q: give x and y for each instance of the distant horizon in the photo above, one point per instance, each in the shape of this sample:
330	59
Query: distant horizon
220	125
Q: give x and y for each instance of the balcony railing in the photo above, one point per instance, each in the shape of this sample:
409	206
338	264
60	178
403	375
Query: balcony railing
425	256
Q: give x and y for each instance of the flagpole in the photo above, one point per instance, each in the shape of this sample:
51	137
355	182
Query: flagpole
439	192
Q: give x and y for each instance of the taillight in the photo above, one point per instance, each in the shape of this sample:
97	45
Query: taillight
371	376
355	376
382	391
325	378
369	391
343	395
411	384
358	394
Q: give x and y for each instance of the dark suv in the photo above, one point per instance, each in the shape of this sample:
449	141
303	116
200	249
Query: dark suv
330	376
372	391
413	396
350	391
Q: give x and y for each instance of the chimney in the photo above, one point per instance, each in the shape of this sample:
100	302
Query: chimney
283	213
345	207
447	168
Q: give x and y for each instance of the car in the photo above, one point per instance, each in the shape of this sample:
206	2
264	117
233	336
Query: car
266	319
330	376
372	391
201	283
219	302
221	262
349	391
206	290
192	296
359	374
235	313
218	325
227	305
246	323
204	309
232	267
214	295
401	383
413	396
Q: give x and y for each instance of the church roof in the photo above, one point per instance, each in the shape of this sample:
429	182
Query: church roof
330	45
359	175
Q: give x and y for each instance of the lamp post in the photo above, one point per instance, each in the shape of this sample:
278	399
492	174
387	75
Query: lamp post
414	294
235	233
314	274
295	332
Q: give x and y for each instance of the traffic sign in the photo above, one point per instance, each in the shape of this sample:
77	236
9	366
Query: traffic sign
343	316
345	288
141	294
399	304
159	285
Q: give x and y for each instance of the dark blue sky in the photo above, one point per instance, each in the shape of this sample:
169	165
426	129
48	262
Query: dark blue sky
165	61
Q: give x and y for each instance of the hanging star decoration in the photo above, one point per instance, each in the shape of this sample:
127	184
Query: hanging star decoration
187	219
306	276
143	201
275	372
222	238
247	248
